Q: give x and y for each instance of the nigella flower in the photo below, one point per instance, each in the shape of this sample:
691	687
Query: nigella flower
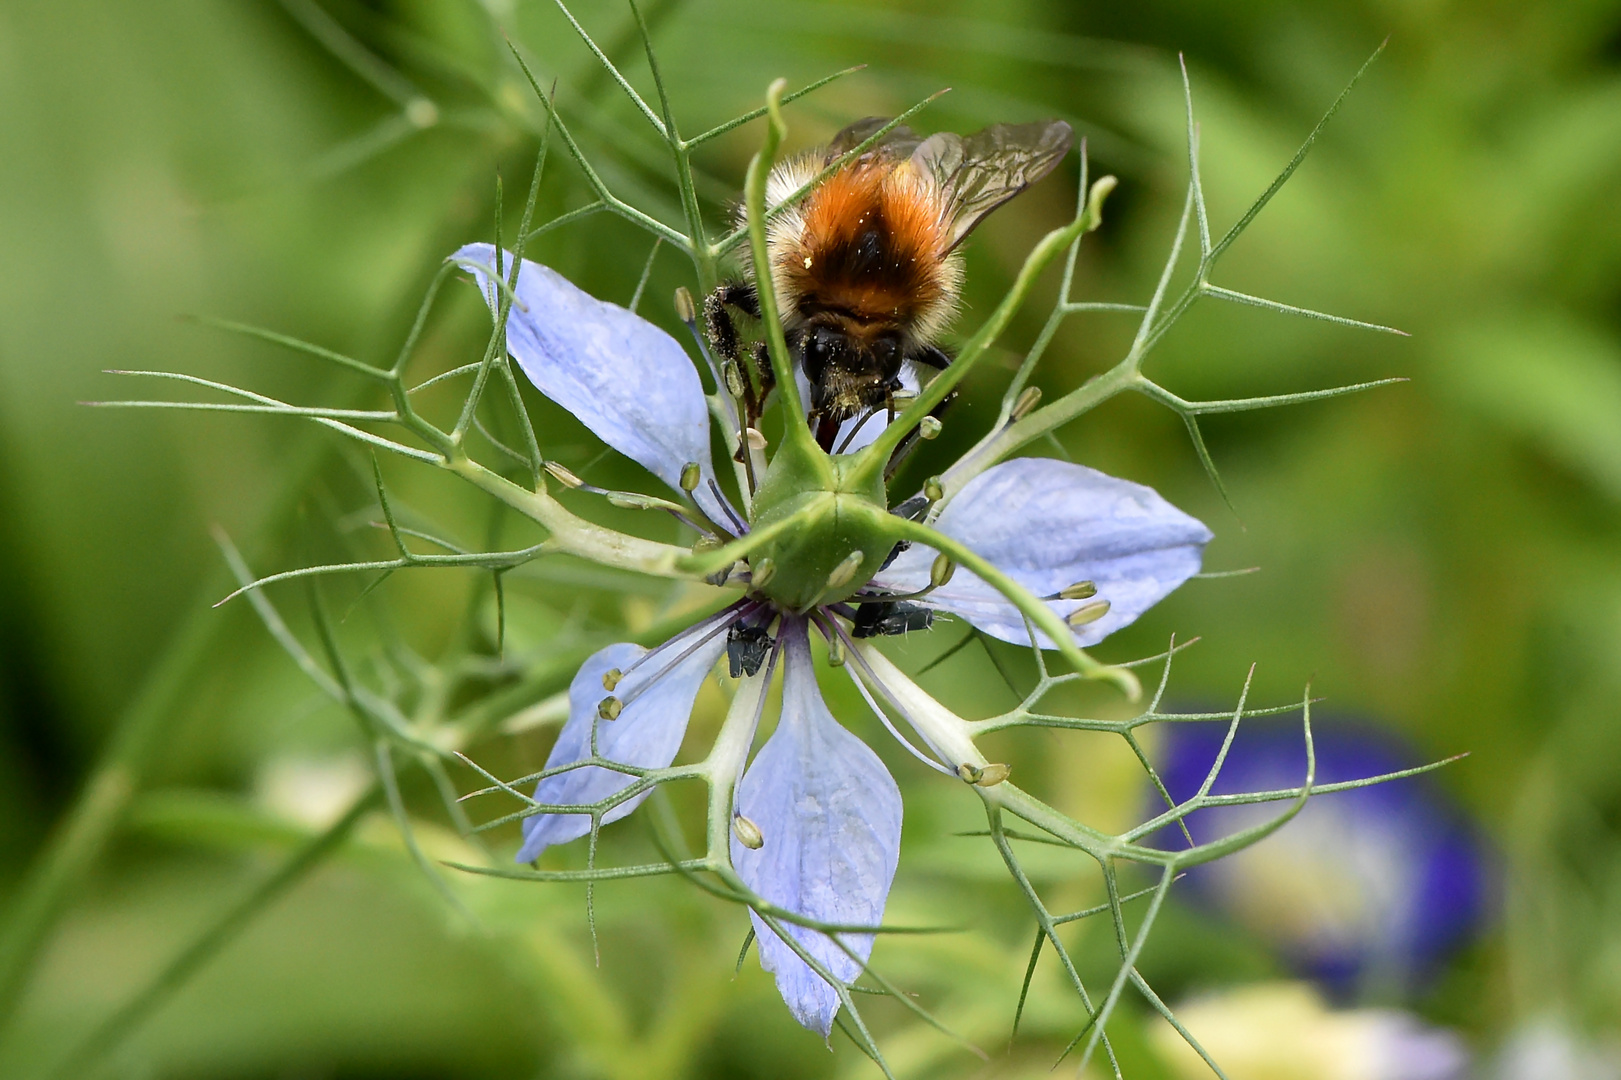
1365	890
817	816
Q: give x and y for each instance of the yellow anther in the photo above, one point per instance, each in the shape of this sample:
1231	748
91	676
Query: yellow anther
1088	613
1027	400
983	776
747	832
846	571
684	309
564	476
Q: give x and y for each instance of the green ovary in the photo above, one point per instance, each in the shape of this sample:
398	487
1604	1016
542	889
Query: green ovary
834	538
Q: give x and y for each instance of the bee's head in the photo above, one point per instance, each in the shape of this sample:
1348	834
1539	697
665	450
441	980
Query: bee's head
851	366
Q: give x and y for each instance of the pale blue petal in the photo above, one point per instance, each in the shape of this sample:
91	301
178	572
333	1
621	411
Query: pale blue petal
1048	525
621	376
830	815
647	733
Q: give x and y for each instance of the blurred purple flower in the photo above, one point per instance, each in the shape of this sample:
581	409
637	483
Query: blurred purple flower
1365	890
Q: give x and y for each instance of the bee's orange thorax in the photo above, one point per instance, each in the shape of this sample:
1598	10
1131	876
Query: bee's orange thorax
873	247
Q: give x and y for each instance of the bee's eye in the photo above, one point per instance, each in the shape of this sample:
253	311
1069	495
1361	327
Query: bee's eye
819	349
886	351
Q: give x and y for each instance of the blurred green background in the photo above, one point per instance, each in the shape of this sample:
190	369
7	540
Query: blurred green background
1443	556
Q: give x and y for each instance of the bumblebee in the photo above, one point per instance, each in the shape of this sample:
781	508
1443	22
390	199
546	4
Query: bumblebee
866	267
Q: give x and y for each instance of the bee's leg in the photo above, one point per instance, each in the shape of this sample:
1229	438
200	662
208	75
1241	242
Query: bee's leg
763	369
931	357
718	320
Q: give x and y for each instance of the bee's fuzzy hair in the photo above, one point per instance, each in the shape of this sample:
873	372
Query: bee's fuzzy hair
924	228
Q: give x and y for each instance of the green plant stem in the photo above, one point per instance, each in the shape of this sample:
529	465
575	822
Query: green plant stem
1000	443
1039	614
795	428
570	534
874	458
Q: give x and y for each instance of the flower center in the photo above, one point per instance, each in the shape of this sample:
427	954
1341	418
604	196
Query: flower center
829	537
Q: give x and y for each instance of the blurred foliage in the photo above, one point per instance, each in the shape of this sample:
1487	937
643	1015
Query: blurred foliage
1442	556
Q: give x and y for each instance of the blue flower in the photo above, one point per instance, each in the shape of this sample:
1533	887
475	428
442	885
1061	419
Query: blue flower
818	817
1365	890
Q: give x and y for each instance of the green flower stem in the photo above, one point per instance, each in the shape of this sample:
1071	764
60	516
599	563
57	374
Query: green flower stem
755	114
1039	614
875	457
795	429
1002	442
573	535
611	202
1061	310
703	255
953	736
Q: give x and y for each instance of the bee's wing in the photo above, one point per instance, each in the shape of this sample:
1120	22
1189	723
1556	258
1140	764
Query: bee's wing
979	172
898	144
